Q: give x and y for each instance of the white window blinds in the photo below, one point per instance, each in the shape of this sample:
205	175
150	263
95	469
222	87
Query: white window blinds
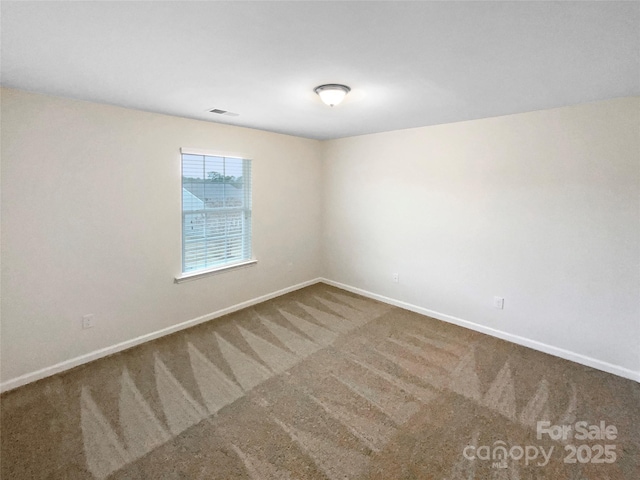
216	211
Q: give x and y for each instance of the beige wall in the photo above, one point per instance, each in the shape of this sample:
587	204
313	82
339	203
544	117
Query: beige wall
91	224
540	208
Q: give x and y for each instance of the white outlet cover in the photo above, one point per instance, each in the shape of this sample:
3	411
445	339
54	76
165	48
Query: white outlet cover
88	321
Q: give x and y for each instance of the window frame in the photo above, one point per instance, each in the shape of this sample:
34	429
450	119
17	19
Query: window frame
246	209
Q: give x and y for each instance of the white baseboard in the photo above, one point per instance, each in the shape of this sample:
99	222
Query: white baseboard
535	345
103	352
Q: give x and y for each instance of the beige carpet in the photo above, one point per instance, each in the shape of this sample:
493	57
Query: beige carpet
323	384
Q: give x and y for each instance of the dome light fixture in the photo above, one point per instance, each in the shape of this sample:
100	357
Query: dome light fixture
332	93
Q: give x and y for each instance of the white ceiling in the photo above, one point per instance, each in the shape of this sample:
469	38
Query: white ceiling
409	63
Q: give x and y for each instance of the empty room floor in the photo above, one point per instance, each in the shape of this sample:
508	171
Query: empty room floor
324	384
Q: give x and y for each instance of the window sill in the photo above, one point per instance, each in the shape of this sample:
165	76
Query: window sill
186	277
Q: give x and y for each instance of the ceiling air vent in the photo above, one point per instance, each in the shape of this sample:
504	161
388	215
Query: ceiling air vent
224	112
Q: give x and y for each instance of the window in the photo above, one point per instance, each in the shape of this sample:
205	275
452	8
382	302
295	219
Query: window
216	212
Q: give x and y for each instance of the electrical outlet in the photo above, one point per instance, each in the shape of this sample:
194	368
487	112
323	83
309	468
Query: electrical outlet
395	277
88	321
498	302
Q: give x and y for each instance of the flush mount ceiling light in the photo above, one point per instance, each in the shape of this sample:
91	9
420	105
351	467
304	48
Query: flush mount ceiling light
332	93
